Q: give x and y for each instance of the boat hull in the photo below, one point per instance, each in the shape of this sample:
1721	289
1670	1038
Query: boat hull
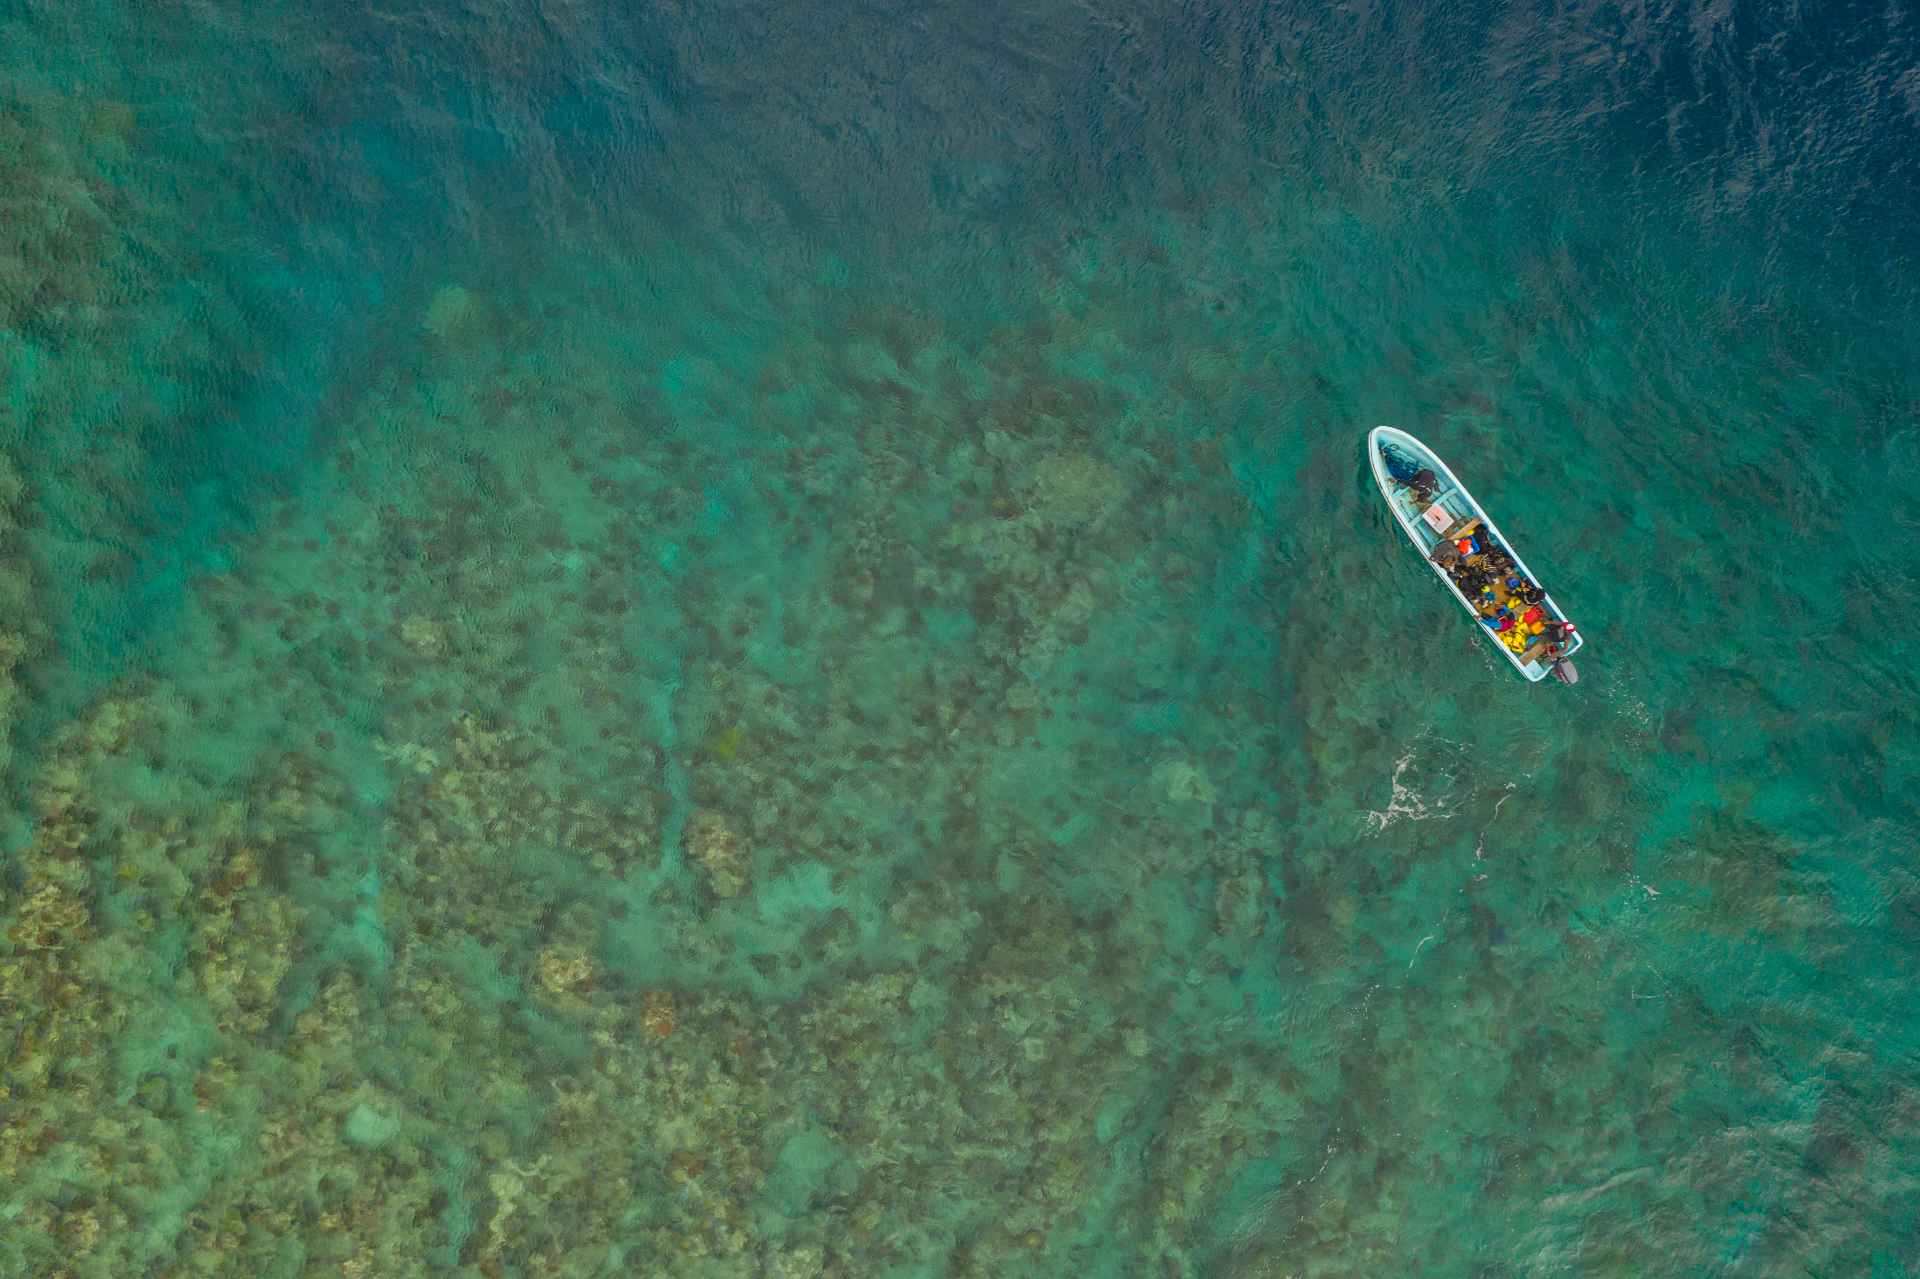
1389	447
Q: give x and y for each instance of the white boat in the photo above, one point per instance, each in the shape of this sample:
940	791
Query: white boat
1434	507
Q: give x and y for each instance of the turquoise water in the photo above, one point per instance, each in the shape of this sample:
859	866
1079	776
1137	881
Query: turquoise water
742	641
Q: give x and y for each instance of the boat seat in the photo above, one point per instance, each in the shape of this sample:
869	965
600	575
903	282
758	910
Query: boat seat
1462	526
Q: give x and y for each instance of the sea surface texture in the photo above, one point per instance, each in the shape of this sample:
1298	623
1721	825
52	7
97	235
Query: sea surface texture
714	639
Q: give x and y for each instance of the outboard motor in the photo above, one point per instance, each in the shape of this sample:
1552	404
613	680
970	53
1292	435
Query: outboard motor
1564	672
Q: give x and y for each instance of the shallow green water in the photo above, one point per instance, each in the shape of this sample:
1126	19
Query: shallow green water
699	644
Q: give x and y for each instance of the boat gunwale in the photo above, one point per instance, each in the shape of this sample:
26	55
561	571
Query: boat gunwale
1380	480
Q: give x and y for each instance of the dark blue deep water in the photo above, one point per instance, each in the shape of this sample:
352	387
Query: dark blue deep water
723	639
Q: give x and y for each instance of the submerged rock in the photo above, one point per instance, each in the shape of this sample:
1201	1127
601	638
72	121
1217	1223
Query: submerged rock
713	846
368	1128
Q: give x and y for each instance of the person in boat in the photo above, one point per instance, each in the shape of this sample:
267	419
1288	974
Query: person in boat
1524	590
1423	484
1559	631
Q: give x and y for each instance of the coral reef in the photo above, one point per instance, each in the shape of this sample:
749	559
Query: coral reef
57	263
876	796
16	604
